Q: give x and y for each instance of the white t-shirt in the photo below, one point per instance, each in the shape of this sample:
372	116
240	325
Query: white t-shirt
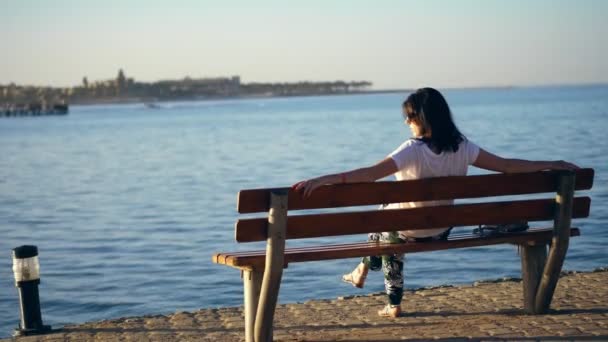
415	160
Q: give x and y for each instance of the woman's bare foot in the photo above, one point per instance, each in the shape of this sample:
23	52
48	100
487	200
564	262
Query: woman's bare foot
389	310
357	276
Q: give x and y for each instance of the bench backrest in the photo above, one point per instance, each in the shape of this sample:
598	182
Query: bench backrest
441	188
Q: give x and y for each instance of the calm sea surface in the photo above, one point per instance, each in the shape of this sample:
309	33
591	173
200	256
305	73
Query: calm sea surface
127	204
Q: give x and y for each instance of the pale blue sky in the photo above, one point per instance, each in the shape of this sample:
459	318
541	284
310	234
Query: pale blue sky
395	44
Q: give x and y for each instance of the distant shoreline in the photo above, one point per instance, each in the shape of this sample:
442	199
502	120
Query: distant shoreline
272	93
405	91
135	100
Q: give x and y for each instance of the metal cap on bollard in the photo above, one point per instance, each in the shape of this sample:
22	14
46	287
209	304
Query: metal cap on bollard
26	270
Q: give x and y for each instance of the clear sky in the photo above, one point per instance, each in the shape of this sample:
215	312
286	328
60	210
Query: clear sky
395	44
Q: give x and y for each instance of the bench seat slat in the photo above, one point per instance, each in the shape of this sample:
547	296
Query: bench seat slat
317	253
344	195
333	224
454	235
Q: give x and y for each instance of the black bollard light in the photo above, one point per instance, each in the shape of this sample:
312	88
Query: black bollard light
27	277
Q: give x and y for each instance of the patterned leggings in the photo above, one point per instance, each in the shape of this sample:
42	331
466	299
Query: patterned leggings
392	265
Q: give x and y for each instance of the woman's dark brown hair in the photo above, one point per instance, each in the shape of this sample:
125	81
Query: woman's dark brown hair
432	110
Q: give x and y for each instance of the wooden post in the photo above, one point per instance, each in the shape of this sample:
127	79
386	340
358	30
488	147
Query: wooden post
559	243
252	281
533	258
273	270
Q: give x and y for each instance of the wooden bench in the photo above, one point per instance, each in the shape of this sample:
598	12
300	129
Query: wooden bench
262	270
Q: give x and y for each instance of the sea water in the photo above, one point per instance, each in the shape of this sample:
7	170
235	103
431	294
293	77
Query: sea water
127	204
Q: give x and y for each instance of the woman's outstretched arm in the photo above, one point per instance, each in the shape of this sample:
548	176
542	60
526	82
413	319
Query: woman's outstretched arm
489	161
372	173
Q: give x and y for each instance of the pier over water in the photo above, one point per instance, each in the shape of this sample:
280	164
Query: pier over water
33	109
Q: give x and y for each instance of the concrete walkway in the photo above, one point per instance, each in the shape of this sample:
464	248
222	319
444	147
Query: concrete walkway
484	311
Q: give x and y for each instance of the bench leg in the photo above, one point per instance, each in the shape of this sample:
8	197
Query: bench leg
559	243
252	282
533	258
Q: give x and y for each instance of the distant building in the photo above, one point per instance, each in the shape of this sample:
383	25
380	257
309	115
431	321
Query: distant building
123	88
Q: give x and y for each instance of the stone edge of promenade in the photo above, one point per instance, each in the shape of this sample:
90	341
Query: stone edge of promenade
226	323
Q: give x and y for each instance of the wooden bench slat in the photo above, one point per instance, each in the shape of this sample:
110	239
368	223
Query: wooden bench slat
327	252
344	195
321	225
454	235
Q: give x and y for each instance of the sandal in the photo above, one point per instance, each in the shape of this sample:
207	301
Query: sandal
390	310
356	278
